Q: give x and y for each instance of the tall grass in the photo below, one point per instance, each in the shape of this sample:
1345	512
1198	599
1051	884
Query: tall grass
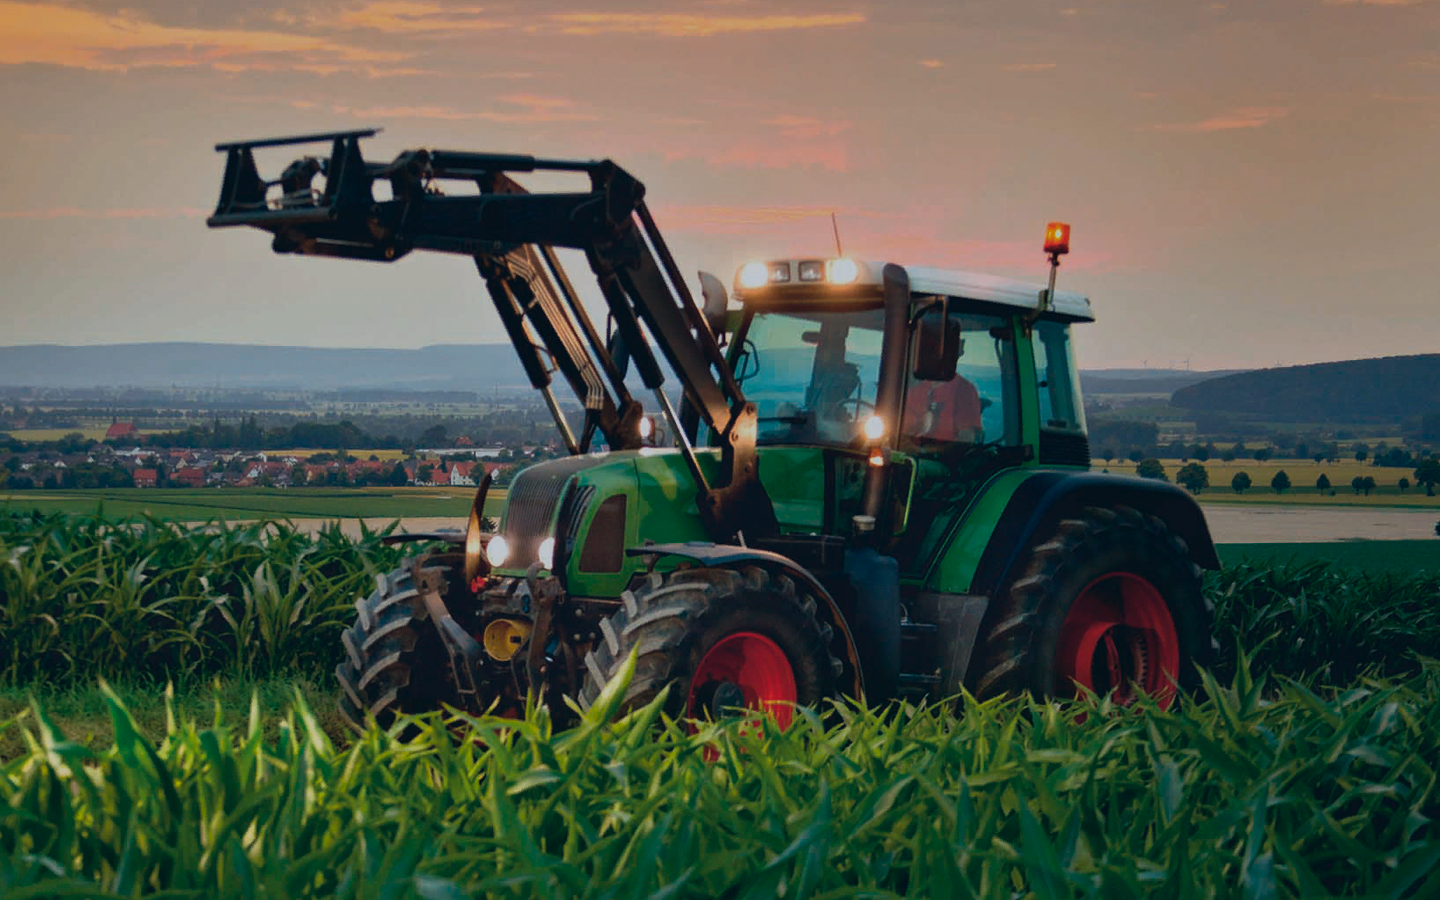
1258	792
84	597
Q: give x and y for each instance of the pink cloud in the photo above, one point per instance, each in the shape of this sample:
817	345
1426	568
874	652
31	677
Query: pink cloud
75	212
525	108
723	219
807	127
1238	118
1029	67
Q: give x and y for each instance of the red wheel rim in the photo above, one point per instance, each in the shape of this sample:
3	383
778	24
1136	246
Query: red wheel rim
1119	636
756	665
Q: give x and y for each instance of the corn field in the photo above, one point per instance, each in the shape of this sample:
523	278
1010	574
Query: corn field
1315	776
154	601
1257	792
150	600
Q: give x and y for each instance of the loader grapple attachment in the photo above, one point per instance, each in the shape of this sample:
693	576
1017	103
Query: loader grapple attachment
512	235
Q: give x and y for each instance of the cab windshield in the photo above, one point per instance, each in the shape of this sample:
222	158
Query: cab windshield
812	376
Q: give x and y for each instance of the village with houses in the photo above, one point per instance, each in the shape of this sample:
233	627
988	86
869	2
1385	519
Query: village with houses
122	459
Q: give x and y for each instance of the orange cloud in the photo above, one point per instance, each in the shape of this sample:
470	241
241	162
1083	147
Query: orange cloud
1029	67
420	17
932	63
77	38
1240	117
693	25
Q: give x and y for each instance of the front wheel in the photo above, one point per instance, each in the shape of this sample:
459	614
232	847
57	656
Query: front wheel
722	639
1111	602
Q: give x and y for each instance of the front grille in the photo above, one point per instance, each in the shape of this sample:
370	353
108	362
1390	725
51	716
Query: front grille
1064	449
605	543
531	501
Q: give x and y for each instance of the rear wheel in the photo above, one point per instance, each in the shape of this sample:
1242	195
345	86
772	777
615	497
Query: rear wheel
722	639
1110	602
394	659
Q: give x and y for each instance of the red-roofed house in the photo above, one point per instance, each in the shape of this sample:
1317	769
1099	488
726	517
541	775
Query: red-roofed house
188	476
121	430
145	477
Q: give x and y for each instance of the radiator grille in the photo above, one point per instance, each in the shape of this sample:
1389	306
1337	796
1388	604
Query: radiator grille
531	501
605	543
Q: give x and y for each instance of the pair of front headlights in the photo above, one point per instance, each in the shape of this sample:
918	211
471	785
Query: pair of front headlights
498	551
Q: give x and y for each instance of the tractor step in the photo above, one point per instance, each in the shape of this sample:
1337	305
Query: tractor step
917	679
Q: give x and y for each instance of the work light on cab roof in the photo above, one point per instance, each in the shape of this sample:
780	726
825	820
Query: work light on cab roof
797	272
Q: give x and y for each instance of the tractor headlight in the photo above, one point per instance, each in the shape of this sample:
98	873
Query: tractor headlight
497	551
754	275
546	553
874	428
843	271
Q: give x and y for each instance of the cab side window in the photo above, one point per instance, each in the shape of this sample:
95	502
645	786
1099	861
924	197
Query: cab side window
1057	379
979	405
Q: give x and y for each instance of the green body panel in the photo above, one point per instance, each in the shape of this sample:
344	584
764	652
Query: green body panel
954	568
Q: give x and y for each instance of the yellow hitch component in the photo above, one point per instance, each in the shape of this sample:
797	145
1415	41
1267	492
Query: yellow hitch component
504	636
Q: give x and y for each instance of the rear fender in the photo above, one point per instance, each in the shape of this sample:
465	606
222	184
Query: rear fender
1045	498
730	556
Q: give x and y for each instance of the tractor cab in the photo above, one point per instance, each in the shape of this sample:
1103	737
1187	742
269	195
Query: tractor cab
944	380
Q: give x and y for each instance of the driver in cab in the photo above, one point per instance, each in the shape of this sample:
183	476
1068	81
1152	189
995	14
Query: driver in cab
943	410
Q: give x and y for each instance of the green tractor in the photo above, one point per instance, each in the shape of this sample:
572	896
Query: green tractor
875	481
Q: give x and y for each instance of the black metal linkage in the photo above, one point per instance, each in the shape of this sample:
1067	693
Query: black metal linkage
512	234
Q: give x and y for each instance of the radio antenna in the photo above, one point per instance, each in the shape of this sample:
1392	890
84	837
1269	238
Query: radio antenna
835	224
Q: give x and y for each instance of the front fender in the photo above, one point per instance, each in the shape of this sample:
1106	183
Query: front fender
726	556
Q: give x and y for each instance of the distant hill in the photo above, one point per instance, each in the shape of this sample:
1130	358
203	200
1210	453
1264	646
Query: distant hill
467	367
1143	381
442	367
1361	390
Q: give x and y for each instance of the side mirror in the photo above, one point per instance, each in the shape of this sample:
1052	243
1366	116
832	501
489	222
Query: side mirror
937	345
713	290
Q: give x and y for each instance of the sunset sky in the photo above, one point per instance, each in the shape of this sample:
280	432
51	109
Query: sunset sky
1250	183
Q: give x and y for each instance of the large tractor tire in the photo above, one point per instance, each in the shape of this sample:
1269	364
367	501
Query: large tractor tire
1110	601
721	639
394	659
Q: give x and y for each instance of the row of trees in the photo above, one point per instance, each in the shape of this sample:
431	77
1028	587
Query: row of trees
1195	478
1136	440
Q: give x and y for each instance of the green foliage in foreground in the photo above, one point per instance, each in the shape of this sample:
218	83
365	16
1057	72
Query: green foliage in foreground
1257	792
147	599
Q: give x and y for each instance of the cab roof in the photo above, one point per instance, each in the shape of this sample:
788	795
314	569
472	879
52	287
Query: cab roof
994	289
978	286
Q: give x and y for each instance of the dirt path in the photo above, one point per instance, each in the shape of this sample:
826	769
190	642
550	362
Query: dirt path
1308	524
1228	524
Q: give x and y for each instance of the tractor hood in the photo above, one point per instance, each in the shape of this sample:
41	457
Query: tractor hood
596	506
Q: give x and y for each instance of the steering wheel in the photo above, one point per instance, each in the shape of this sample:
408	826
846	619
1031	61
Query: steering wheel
860	404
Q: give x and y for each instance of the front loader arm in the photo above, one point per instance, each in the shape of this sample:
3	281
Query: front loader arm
511	234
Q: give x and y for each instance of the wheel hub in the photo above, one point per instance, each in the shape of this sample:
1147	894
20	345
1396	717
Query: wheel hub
1119	636
743	670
